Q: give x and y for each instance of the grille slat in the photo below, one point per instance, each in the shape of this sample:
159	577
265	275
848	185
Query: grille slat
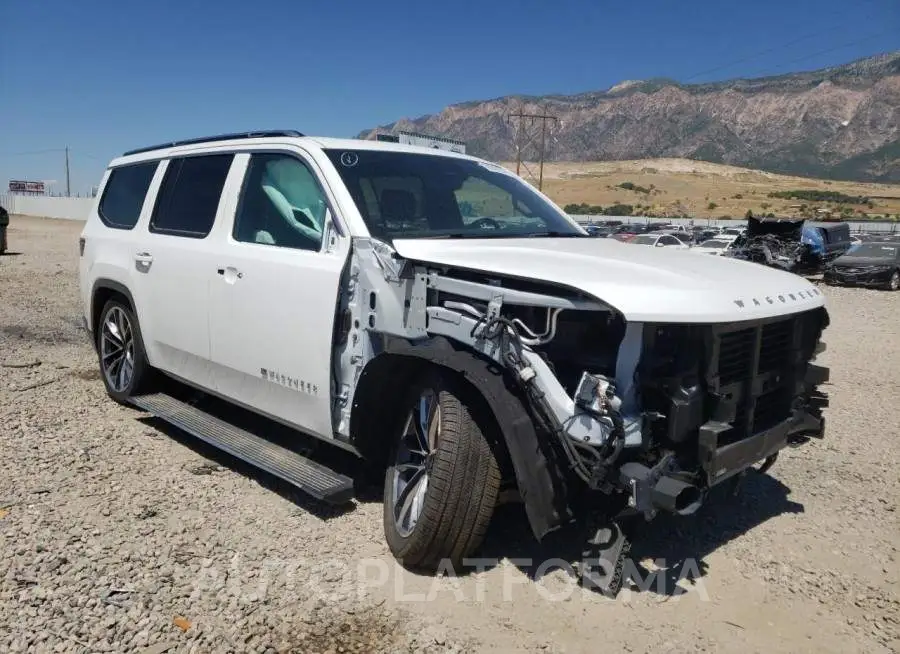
777	343
739	362
735	355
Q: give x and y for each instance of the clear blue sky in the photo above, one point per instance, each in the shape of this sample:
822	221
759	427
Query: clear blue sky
104	76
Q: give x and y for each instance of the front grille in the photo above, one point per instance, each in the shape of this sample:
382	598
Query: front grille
736	355
776	344
771	408
755	369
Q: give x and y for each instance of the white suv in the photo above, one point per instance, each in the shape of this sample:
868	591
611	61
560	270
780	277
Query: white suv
437	316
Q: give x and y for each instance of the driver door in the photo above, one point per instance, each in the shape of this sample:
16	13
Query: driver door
274	294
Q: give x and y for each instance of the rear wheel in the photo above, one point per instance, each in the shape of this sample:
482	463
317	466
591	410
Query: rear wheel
120	348
894	282
441	487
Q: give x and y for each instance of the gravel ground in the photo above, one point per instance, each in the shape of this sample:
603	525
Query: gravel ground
121	535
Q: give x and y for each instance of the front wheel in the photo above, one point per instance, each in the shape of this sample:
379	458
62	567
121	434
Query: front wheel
441	487
894	282
120	348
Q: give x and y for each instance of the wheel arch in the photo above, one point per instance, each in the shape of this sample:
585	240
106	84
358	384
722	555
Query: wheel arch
102	292
523	453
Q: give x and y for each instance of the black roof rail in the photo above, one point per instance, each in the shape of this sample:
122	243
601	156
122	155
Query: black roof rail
220	137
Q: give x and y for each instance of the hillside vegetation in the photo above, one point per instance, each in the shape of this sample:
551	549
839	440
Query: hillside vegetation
681	187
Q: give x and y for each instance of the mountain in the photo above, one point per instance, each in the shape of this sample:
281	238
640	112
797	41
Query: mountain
841	122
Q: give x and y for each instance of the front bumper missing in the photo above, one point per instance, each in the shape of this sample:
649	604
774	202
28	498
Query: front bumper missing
720	462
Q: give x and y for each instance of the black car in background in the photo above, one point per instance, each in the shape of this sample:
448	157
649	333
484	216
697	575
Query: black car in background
869	264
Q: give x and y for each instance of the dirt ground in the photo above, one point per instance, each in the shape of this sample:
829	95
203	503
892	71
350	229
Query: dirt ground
120	535
701	189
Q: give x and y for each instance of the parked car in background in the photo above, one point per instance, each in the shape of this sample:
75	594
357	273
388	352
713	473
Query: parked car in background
702	234
598	231
627	231
792	244
721	247
4	223
870	264
659	241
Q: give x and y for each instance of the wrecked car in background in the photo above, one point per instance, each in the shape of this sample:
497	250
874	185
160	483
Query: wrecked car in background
792	244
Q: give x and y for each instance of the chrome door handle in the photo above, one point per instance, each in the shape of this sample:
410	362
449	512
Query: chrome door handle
143	261
231	274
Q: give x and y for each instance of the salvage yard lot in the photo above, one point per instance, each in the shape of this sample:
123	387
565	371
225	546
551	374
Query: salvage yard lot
119	535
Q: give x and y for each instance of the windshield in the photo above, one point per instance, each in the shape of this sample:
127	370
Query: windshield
411	195
715	244
644	240
878	250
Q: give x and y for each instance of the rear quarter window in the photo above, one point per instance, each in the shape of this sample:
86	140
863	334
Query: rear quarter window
124	194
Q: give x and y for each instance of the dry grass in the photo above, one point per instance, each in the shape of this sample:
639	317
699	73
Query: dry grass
684	186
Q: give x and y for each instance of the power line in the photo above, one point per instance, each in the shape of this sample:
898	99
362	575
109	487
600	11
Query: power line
825	51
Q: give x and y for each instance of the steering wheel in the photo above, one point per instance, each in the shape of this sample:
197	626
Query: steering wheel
485	223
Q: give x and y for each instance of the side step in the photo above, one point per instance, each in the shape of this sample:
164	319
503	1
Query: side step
311	477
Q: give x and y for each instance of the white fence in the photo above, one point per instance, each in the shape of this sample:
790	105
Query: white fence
855	226
45	206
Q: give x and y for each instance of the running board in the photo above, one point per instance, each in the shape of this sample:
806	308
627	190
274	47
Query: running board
311	477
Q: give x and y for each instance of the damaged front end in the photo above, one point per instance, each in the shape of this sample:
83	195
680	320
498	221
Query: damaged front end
778	243
617	416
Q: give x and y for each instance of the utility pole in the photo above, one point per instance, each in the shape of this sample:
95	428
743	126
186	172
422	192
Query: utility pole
525	134
68	185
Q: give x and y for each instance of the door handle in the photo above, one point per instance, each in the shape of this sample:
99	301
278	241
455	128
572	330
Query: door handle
231	274
142	261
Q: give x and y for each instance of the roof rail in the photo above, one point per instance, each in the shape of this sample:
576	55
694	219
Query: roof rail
219	137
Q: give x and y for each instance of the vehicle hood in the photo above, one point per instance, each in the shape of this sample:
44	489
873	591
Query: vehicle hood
863	262
643	283
787	229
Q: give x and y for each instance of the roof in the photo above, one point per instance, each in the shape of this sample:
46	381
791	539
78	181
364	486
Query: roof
274	137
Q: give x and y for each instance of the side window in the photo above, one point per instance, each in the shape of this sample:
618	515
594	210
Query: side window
123	197
189	195
281	204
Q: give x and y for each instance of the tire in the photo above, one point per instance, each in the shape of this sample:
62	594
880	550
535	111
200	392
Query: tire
118	318
894	282
460	474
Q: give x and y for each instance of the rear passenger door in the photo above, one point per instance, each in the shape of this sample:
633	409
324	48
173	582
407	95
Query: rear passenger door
275	293
174	265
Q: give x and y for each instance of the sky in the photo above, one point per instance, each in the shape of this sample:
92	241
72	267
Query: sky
102	77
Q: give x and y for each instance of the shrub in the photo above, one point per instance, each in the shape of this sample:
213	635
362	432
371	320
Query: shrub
820	196
631	186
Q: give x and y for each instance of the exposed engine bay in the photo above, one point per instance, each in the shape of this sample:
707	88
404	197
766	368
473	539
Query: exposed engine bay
639	417
779	244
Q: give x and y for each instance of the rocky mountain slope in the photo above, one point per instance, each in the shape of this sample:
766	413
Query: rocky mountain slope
841	122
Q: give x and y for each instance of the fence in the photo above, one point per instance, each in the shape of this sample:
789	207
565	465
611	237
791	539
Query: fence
855	225
45	206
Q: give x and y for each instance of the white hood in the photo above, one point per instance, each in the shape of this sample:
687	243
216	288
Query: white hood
645	284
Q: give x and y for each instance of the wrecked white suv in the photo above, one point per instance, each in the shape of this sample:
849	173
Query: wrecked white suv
434	314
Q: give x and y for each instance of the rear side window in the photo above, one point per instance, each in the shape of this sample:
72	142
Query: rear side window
189	195
123	197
